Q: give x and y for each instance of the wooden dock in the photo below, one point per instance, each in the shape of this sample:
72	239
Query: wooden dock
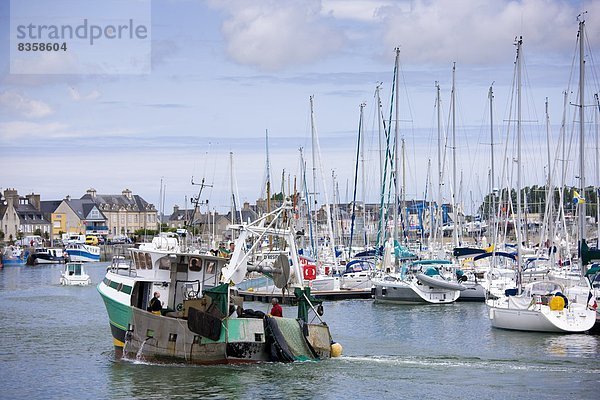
288	297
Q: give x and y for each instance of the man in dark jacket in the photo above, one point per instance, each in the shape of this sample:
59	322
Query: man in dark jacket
155	304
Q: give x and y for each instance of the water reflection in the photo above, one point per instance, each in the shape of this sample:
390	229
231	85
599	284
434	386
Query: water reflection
586	346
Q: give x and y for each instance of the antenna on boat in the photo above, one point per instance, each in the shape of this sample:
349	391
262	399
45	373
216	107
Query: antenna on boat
196	200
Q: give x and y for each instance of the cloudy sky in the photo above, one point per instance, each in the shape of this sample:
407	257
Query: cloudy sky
220	73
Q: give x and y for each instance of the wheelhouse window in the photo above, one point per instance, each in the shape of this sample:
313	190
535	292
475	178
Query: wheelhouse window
164	263
211	267
195	264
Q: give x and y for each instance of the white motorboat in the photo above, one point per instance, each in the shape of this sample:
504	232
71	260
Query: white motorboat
74	275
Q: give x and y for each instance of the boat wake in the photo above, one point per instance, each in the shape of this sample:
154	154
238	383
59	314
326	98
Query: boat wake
445	362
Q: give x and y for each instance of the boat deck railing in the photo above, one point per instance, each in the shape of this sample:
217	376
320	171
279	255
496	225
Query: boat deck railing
122	266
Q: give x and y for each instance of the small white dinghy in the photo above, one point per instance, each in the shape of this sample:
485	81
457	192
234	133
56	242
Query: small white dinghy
74	275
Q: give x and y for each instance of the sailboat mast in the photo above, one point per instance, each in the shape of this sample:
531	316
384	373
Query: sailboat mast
358	155
396	137
454	182
597	108
363	174
379	136
519	162
268	184
440	211
314	171
550	192
328	205
581	204
232	190
493	174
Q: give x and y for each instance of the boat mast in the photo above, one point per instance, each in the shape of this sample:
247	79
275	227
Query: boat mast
396	136
358	156
363	176
581	204
492	172
597	108
454	182
440	211
550	192
518	224
268	177
328	206
379	137
314	176
308	204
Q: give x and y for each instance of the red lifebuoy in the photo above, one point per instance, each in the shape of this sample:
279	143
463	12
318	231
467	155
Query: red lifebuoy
309	272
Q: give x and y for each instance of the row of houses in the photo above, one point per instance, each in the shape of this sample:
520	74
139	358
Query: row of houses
106	215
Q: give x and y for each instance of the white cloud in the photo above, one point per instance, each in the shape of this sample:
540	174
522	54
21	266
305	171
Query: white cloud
75	95
361	10
481	32
23	106
274	34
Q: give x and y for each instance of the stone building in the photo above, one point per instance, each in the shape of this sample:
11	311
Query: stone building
21	215
125	213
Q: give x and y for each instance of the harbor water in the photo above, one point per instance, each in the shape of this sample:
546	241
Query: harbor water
56	344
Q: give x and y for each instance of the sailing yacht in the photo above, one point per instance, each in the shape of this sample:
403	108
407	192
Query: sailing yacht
542	306
413	281
416	282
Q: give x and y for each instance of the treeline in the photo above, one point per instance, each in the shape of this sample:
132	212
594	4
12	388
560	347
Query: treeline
534	200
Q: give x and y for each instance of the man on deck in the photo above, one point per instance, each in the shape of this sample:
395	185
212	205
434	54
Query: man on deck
276	310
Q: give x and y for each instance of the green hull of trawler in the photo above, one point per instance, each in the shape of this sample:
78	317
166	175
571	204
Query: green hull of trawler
201	335
119	313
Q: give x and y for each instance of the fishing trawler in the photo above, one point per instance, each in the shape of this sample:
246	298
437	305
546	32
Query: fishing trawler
202	320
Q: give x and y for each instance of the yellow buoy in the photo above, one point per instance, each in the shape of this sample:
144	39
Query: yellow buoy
557	303
336	350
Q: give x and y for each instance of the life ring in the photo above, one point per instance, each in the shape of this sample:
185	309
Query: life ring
309	272
179	307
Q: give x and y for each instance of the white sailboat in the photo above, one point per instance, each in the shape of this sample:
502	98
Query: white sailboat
328	269
543	306
418	282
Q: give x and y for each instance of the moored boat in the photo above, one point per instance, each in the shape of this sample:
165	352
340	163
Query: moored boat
43	255
418	282
14	255
82	252
542	307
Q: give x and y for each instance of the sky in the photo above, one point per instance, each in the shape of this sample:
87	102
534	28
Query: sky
194	98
